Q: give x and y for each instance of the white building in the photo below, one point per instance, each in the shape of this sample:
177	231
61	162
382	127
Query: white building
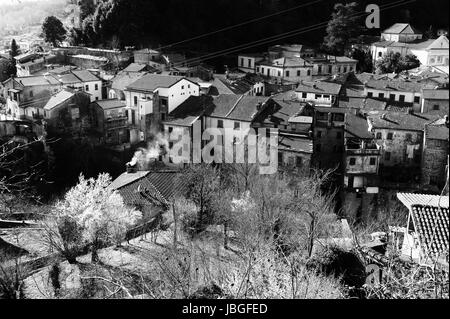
152	97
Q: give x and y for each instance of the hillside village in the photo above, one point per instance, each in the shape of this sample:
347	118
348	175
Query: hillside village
382	138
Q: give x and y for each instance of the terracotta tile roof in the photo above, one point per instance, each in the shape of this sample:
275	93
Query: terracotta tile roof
432	226
110	104
151	82
189	111
398	28
85	75
435	94
436	132
320	87
396	85
144	188
124	79
58	98
236	107
295	143
357	126
400	121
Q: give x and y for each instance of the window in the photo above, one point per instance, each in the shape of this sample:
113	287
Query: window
436	107
304	95
387	156
390	136
352	161
318	147
338	117
417	99
298	72
401	98
87	87
298	161
96	87
220	123
392	97
237	125
381	95
135	101
287	73
369	94
373	161
378	136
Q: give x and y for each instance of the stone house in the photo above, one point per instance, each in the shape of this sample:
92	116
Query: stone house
110	120
361	155
399	137
435	154
435	101
67	112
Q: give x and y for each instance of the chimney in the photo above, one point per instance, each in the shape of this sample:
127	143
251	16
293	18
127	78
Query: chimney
131	166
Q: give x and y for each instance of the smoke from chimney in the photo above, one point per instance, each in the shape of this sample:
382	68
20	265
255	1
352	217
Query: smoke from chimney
143	157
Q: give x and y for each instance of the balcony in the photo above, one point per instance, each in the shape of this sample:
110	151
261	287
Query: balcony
362	151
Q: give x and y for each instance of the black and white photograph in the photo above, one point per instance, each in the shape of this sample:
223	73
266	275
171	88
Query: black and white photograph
224	156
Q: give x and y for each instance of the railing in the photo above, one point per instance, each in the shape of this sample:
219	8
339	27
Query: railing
364	151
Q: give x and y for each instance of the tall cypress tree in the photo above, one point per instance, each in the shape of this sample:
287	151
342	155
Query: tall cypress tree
14	48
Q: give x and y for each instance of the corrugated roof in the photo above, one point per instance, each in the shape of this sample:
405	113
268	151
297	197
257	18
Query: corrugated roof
411	199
